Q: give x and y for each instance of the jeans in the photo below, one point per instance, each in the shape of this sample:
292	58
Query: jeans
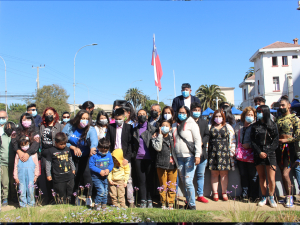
297	174
200	171
26	177
186	168
4	181
101	186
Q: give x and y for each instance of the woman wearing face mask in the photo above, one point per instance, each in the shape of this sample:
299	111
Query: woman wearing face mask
244	155
83	141
144	156
221	149
65	118
264	141
101	124
188	150
167	114
49	127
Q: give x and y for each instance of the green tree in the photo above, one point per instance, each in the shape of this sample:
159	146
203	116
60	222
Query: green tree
249	73
2	106
148	104
240	107
96	111
136	97
51	96
208	94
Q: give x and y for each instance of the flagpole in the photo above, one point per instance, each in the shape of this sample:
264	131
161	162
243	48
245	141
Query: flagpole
154	66
174	83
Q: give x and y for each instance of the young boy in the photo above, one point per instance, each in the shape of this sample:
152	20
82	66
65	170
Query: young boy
118	178
100	166
60	160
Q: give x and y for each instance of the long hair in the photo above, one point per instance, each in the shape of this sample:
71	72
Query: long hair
213	123
133	116
101	113
22	131
182	123
161	119
266	113
76	121
87	104
228	114
56	119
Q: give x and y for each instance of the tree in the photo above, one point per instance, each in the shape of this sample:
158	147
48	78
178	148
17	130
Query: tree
208	94
148	104
51	96
136	97
240	107
249	73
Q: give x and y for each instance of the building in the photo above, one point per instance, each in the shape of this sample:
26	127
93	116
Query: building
273	67
229	93
106	108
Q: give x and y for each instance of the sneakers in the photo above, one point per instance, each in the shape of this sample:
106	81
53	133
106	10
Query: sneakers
163	206
97	207
143	204
150	204
171	207
191	207
263	201
89	202
202	199
4	203
289	202
272	201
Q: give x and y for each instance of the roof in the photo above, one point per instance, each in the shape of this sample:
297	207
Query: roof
226	88
251	78
279	44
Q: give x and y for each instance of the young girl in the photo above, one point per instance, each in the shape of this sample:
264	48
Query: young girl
166	163
26	173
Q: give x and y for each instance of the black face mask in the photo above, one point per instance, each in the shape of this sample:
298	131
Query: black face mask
154	114
49	118
142	119
282	110
8	131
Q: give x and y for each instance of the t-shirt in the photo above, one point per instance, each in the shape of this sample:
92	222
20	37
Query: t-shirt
47	138
61	163
74	141
187	102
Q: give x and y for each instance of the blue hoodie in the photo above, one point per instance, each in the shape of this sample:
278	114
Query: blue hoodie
98	162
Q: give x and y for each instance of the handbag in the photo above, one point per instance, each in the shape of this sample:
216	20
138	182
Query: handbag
190	145
242	154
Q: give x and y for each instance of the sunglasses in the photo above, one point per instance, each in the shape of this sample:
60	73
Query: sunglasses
66	117
2	118
31	109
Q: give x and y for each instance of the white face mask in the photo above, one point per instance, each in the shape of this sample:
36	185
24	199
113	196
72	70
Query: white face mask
168	116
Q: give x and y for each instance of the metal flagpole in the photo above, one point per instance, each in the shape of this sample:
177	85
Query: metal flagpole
174	83
155	75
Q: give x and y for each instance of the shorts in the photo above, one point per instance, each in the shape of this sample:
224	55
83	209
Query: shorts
270	160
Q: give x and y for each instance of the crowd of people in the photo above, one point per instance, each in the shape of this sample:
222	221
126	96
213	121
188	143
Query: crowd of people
128	153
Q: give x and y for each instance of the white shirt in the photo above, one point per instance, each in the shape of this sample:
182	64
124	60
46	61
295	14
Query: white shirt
118	143
1	130
187	102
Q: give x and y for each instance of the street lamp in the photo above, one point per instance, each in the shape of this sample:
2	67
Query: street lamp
87	88
298	5
133	82
74	72
5	86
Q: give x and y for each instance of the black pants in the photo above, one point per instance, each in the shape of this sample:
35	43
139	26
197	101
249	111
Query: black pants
82	175
64	189
144	172
44	184
249	179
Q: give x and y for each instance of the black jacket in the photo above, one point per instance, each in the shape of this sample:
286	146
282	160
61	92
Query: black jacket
37	120
204	132
125	139
179	101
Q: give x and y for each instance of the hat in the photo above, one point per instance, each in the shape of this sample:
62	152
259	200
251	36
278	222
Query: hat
119	112
185	85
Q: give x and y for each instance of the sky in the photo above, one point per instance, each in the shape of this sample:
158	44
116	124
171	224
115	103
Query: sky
203	42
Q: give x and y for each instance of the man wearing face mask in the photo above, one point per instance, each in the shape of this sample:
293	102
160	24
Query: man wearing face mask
261	101
119	134
31	109
155	114
185	99
3	120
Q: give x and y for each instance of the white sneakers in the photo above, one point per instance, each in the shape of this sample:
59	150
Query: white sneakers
271	201
89	202
289	203
263	201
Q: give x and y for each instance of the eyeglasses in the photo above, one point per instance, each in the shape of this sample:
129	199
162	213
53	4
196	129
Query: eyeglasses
31	110
2	118
66	117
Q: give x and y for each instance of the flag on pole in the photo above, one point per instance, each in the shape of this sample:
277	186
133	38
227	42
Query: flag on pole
157	66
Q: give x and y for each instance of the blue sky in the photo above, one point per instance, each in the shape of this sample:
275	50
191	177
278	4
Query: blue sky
205	42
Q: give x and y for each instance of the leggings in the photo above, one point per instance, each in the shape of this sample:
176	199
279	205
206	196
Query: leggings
144	172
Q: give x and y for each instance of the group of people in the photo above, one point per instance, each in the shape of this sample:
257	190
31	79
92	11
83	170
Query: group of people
117	157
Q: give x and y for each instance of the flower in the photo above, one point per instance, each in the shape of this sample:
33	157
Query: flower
117	186
228	192
235	187
88	185
136	188
36	196
53	194
75	194
18	217
160	189
19	191
52	190
81	187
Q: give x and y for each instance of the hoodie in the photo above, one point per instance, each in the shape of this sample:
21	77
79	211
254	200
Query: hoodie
119	173
98	162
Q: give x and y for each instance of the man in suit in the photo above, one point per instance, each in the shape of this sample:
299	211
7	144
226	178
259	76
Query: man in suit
119	134
185	99
204	132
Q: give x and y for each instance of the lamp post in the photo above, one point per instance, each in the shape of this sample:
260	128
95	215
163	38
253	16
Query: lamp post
87	88
5	86
298	5
133	82
74	71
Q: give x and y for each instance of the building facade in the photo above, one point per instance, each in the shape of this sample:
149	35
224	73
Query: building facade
229	93
106	108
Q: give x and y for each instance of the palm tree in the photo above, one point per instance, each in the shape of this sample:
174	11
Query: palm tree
249	73
136	97
208	94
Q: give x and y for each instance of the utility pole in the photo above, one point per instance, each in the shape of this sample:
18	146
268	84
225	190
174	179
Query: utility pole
38	76
170	101
217	101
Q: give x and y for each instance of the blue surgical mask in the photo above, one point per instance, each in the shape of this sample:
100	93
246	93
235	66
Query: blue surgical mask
260	116
182	117
102	154
249	119
256	106
2	121
34	113
165	130
196	114
66	120
185	94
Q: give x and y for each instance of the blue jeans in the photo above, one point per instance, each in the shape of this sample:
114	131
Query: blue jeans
101	186
297	174
200	171
186	168
26	177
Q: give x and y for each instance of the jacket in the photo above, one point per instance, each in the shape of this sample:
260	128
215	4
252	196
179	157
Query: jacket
98	163
163	155
6	150
55	129
179	101
125	138
191	133
146	136
37	120
204	132
121	172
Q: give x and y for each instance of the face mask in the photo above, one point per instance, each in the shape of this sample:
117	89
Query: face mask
282	110
249	119
185	94
218	120
209	116
83	123
260	115
256	106
8	131
2	121
196	114
49	118
142	119
102	154
119	122
25	148
103	122
66	120
26	123
165	130
168	116
34	113
182	117
154	114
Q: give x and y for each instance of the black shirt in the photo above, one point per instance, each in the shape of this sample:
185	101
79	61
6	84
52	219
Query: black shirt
47	138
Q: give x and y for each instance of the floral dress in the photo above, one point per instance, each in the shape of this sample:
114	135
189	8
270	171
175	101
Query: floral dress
219	149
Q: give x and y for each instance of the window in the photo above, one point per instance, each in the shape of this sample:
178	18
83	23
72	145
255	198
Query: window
258	87
245	94
284	61
295	56
276	84
274	61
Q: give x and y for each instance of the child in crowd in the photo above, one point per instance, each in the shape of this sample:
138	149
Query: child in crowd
26	173
118	178
59	160
166	163
101	164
